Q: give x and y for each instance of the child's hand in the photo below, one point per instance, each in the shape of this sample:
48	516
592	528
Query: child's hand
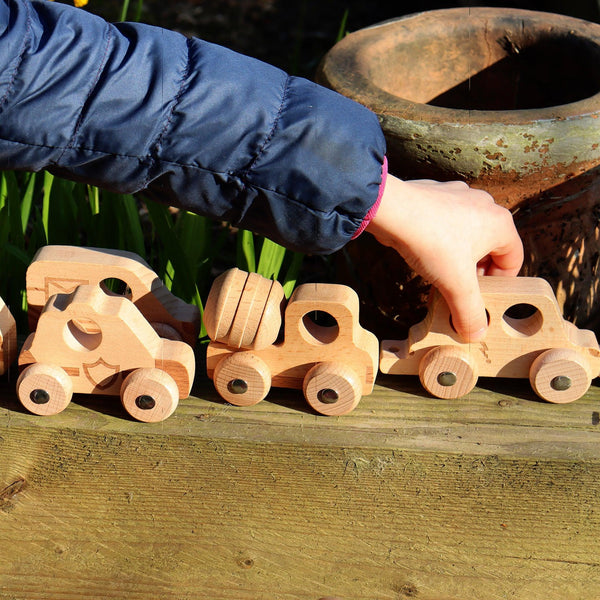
449	233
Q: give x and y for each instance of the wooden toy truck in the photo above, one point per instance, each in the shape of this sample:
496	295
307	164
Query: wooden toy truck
334	363
94	343
90	339
527	337
8	338
60	269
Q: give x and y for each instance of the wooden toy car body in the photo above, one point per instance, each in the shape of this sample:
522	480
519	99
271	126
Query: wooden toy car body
91	342
559	359
60	269
334	364
8	338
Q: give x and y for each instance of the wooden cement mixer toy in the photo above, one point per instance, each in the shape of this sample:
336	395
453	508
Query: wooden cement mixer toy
60	269
90	340
334	363
527	337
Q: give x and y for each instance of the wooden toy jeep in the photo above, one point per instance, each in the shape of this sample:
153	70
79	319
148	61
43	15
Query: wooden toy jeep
334	362
60	269
91	342
527	337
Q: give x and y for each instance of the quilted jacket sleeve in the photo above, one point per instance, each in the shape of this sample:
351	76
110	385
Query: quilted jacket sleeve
130	107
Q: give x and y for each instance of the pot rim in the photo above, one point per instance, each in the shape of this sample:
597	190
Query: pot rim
392	107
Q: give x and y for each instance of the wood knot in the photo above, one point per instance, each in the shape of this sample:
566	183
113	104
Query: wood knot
408	590
10	491
246	563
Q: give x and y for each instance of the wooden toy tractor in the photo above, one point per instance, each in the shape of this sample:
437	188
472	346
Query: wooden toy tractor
334	362
526	337
91	340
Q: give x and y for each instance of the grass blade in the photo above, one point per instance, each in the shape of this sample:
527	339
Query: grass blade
246	255
184	283
48	181
292	273
271	259
27	201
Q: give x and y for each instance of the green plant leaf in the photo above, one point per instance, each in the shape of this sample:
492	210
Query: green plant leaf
246	255
292	273
184	284
271	259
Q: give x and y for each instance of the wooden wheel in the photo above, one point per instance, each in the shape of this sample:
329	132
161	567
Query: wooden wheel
448	372
149	395
332	388
243	310
242	379
44	389
560	375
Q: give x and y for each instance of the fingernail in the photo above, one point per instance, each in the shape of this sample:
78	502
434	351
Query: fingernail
477	335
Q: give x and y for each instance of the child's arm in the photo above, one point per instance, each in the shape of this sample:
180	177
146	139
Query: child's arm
449	233
135	108
130	108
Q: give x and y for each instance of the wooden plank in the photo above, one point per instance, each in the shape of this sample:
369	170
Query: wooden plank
491	496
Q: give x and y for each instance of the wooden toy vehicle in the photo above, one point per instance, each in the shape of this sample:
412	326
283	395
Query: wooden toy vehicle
334	363
91	342
527	337
8	338
60	269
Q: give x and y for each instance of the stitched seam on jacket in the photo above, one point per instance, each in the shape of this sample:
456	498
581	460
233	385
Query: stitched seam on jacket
155	148
291	199
269	137
20	56
71	143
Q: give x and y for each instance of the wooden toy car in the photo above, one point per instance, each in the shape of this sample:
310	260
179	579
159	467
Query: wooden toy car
60	269
91	342
8	338
335	362
527	337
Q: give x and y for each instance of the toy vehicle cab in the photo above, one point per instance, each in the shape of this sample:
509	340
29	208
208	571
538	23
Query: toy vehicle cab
60	269
335	362
527	337
92	342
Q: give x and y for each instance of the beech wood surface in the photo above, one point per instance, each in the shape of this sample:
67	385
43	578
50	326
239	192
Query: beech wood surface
243	377
513	342
494	495
60	269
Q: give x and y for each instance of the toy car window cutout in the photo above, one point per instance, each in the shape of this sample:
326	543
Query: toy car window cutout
522	320
114	286
82	334
320	327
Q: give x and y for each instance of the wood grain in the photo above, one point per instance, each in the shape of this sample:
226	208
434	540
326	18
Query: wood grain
524	321
406	497
60	269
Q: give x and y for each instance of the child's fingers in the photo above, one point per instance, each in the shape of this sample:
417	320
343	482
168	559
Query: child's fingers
469	318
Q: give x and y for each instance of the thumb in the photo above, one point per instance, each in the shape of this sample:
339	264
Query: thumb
467	308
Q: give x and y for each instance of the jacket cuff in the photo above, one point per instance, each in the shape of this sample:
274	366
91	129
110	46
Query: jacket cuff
373	210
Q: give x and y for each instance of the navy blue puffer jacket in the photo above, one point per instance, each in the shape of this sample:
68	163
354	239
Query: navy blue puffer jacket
130	107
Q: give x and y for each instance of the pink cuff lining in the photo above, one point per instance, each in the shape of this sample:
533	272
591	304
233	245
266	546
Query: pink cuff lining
373	210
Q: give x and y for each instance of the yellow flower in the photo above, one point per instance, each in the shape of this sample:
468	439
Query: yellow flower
78	3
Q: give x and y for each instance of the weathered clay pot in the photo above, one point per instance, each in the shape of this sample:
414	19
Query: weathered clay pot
507	100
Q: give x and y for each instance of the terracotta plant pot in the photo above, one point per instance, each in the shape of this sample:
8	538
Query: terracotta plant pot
505	99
